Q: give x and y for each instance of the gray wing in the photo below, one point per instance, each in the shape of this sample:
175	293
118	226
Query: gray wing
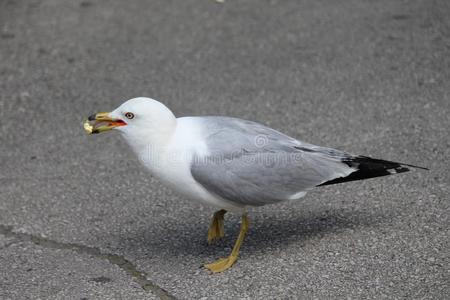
251	164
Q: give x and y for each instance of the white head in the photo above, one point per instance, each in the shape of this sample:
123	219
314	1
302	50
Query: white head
142	121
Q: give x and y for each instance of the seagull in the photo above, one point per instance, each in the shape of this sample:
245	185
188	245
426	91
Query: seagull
229	163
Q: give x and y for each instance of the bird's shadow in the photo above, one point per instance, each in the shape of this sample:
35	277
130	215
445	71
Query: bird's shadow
268	233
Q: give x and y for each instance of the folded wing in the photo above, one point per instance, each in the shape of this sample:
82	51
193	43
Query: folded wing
251	164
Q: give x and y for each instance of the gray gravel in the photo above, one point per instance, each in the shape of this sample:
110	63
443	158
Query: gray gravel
33	272
369	77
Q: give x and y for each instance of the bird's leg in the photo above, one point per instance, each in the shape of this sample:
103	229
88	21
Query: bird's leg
216	230
225	263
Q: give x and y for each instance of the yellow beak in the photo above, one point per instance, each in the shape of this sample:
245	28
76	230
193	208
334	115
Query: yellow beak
101	122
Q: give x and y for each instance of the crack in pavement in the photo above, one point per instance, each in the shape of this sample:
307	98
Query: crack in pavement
120	261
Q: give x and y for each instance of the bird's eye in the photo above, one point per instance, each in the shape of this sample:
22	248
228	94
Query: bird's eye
129	115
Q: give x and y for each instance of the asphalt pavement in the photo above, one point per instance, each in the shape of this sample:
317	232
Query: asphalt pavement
81	219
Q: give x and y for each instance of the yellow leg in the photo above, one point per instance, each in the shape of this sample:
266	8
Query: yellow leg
216	230
225	263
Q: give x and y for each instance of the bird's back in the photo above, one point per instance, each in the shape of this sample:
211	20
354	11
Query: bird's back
253	164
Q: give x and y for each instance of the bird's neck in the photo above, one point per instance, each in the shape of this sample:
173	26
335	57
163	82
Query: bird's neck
148	143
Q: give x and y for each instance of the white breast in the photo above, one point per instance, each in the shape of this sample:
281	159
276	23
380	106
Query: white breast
171	164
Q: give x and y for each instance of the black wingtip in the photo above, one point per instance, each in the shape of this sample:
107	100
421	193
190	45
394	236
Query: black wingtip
367	167
398	170
413	166
389	162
